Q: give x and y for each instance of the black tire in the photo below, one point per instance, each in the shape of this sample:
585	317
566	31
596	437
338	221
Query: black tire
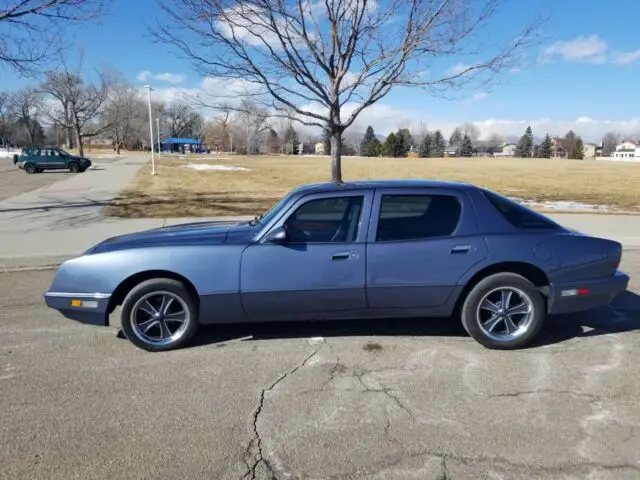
147	289
491	286
74	167
30	168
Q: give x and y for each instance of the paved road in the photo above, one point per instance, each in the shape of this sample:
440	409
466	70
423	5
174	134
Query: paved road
401	400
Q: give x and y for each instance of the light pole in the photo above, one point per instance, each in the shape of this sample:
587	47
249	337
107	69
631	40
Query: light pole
153	158
158	134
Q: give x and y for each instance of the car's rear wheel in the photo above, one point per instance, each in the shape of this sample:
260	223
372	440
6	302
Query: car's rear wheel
74	167
30	168
159	314
503	311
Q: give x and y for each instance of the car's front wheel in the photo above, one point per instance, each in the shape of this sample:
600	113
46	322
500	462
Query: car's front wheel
30	168
503	311
159	314
74	167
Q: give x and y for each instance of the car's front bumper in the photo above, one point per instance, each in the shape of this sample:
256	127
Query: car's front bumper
89	308
587	294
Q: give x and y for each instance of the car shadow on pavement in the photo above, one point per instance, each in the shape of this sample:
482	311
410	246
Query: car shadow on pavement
86	203
622	316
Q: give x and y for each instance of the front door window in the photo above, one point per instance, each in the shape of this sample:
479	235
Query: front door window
334	220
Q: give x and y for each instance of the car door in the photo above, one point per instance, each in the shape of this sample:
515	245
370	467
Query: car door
420	244
319	268
55	159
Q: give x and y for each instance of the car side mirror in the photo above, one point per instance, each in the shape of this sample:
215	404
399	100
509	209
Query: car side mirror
277	235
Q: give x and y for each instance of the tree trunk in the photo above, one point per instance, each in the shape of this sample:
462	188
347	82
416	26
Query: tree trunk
336	155
117	143
79	140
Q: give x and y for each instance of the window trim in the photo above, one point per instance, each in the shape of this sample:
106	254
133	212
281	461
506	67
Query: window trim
491	198
403	192
287	210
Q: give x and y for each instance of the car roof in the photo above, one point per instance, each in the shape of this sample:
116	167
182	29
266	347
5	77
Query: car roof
373	184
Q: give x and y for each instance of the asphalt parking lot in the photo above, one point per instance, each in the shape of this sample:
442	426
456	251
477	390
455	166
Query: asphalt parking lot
401	400
14	181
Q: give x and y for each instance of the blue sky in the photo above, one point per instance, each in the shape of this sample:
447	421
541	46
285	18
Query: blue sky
589	75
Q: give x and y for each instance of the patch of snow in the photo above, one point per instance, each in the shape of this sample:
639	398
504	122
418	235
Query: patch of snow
206	166
562	205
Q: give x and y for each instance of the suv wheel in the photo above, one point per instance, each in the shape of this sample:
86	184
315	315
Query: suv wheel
503	311
74	167
30	168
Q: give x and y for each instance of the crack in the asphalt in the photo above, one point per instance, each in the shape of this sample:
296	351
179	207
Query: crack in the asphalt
386	391
256	441
587	396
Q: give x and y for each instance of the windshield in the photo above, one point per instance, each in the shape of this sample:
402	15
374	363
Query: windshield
62	152
267	216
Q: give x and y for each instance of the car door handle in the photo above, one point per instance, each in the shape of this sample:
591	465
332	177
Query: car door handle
341	256
460	249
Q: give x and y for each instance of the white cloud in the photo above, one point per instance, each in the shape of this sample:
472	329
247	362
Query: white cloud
169	77
457	69
144	75
625	58
590	49
479	96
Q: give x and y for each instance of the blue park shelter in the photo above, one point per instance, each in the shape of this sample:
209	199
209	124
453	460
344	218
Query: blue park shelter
181	145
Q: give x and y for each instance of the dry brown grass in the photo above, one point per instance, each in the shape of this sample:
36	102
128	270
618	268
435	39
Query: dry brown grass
182	192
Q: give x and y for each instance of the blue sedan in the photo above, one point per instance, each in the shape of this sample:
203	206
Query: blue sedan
358	250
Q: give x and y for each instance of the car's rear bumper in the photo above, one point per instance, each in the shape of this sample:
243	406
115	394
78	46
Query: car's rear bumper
89	308
585	295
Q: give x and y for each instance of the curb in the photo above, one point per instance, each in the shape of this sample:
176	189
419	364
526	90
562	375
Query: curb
22	264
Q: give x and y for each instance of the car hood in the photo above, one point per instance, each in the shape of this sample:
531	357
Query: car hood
200	233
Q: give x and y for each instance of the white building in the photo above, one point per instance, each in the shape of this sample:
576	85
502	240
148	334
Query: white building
508	150
627	150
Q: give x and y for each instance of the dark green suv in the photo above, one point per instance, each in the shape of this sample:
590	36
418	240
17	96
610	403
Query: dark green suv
38	159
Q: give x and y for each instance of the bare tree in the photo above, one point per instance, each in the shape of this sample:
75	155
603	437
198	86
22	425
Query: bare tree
609	142
181	120
494	143
470	130
328	61
120	113
31	29
79	104
26	107
252	122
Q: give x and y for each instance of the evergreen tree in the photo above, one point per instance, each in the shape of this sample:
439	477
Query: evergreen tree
455	140
438	145
545	149
370	143
291	140
390	147
426	146
524	148
536	151
405	142
578	150
466	148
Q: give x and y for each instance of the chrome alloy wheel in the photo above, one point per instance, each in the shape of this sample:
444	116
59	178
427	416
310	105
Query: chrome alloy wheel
159	318
505	314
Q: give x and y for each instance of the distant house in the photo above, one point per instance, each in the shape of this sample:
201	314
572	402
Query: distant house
558	149
627	150
590	150
508	150
319	148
